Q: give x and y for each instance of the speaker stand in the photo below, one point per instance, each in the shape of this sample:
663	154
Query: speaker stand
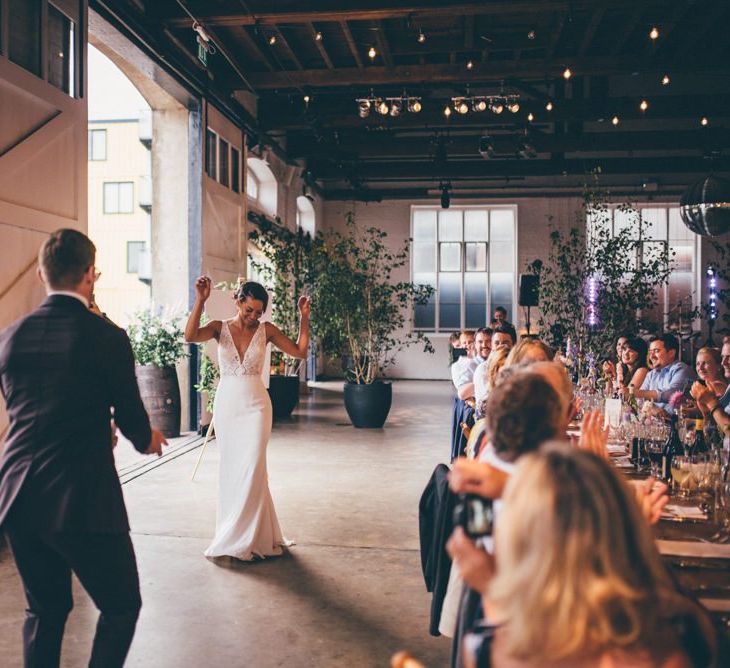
528	321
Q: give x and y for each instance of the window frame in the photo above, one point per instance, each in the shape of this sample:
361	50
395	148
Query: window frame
102	132
141	245
437	329
104	198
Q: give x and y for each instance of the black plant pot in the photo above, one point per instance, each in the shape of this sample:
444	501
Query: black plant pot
368	405
284	393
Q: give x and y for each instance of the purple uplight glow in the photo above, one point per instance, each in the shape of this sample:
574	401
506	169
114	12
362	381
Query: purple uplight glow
712	298
592	298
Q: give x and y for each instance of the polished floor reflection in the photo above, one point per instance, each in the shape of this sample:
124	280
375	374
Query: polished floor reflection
350	593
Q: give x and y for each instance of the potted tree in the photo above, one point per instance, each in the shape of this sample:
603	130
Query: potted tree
591	284
157	344
361	313
287	272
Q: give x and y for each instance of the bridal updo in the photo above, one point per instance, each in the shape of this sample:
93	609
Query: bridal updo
253	290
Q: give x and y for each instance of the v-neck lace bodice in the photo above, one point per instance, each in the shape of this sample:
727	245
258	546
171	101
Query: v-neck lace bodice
252	363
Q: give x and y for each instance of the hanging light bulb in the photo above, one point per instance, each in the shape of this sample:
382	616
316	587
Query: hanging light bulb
549	106
421	37
396	106
704	121
382	107
447	111
497	107
615	120
414	105
372	53
531	34
318	36
272	40
643	105
307	99
363	108
480	105
469	64
530	117
461	106
654	32
567	73
665	80
514	107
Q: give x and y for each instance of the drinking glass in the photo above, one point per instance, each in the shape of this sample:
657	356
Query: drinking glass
681	473
722	512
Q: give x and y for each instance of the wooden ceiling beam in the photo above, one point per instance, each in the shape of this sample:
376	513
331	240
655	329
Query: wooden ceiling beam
451	73
261	52
287	46
502	7
385	146
477	168
351	43
629	28
320	46
590	33
382	41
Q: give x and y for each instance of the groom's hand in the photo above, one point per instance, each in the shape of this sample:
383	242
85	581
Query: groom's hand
156	443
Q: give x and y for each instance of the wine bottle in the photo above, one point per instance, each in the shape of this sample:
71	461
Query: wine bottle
672	447
700	445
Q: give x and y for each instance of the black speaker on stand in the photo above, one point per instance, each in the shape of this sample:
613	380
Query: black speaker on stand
529	294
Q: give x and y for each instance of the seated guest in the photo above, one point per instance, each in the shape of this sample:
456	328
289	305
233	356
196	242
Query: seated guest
576	578
483	342
706	395
528	350
462	375
708	365
485	376
454	345
610	366
633	370
500	320
503	337
667	376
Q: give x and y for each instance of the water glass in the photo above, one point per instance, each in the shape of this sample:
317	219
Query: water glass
722	511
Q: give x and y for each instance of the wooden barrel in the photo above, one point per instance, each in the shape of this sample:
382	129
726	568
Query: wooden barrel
160	393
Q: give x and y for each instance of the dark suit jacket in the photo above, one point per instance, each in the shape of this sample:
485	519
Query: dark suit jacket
62	368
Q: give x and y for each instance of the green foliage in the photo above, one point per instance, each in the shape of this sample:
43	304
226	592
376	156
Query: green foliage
625	285
209	376
287	273
358	310
157	338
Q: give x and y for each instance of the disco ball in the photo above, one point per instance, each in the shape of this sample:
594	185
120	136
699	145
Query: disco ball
705	206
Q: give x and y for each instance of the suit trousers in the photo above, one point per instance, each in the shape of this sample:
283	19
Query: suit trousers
106	567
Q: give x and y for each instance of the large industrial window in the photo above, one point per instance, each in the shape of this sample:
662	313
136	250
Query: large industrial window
24	40
119	197
664	227
467	254
211	153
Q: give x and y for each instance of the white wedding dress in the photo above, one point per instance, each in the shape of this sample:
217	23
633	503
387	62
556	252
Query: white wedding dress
246	522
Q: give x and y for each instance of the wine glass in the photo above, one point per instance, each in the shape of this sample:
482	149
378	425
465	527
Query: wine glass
681	472
722	512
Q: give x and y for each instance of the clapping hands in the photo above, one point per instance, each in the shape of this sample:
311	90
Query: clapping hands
593	434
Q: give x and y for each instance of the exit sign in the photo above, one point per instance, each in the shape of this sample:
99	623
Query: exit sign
203	54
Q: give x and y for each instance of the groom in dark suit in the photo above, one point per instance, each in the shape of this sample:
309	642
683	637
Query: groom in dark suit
62	370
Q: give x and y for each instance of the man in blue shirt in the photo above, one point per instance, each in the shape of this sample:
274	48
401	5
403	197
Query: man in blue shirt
667	376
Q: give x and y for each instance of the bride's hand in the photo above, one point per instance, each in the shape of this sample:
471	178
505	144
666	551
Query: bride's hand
202	288
304	304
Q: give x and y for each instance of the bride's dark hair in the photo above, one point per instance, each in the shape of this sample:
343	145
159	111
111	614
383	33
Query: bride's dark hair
253	290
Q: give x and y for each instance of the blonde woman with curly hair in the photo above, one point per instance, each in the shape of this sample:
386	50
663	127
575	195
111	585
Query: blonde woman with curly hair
578	579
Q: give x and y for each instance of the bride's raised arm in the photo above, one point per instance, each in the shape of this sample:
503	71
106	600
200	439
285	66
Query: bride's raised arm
283	342
194	333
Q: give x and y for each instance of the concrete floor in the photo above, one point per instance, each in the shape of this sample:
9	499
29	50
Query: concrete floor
350	593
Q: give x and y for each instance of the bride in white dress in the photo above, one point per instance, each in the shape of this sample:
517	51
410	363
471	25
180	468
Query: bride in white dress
246	522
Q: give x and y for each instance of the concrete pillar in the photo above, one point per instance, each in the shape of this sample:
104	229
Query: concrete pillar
171	274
